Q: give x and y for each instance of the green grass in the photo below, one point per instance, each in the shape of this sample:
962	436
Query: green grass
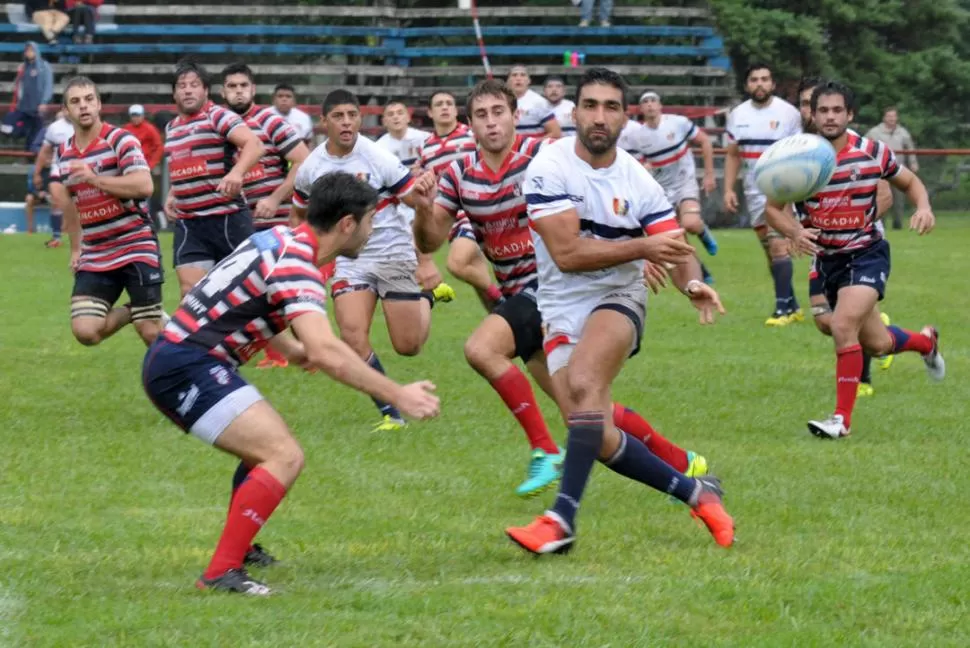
108	513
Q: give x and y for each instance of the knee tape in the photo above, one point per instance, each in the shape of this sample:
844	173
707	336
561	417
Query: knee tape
89	307
821	309
143	313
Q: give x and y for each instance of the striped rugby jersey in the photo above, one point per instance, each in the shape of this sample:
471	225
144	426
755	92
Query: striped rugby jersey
616	203
199	156
114	232
754	129
391	238
252	295
440	151
278	138
494	203
845	211
667	149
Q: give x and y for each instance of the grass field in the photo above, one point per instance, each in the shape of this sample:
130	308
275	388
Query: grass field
108	513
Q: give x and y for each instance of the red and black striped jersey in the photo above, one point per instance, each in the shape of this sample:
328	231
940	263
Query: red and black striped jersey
199	156
252	295
114	232
494	203
438	151
278	138
845	211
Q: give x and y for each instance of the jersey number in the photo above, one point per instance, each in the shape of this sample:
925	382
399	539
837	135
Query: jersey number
223	275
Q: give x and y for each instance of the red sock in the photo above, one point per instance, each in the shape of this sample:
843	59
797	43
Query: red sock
634	424
252	505
904	340
274	355
848	368
516	392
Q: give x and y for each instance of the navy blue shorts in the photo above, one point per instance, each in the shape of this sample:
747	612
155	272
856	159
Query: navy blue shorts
142	282
199	392
868	267
206	241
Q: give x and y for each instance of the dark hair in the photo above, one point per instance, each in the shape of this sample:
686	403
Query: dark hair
524	67
491	88
440	92
757	65
189	66
602	76
79	82
337	97
554	77
238	68
395	102
335	195
890	109
833	88
284	86
809	82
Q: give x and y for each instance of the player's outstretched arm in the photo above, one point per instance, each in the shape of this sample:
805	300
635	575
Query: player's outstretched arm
431	226
328	353
777	217
923	219
266	207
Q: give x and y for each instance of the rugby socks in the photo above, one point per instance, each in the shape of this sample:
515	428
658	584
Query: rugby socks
782	271
626	420
708	239
57	220
848	368
253	504
634	461
386	408
274	355
516	392
238	477
866	369
582	449
904	340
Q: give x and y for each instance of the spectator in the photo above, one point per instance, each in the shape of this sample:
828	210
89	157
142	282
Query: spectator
49	15
897	138
284	105
586	8
84	16
151	145
33	87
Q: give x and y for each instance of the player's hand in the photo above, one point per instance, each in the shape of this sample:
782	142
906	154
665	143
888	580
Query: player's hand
922	221
804	241
266	207
706	300
709	184
81	172
38	183
75	260
654	277
417	400
730	201
231	184
170	212
426	184
667	249
427	274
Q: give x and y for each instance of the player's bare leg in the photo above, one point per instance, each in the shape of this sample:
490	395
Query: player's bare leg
689	217
260	439
780	265
408	322
465	261
29	212
191	274
822	315
93	320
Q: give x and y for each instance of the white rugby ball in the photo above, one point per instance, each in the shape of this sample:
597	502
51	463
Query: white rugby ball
795	168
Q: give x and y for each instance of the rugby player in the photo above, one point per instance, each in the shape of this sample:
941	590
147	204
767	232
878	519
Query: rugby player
270	283
589	206
752	127
205	200
536	114
59	131
851	255
101	180
554	91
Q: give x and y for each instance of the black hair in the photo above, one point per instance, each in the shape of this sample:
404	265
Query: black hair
189	66
554	77
833	88
238	68
395	101
757	65
441	92
284	86
79	82
602	76
809	82
491	88
337	194
337	97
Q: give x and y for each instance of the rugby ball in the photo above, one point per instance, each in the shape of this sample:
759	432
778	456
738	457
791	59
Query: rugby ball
794	168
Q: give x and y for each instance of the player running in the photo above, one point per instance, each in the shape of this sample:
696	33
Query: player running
487	185
851	255
536	114
385	268
752	127
269	283
205	200
452	141
102	182
589	205
59	131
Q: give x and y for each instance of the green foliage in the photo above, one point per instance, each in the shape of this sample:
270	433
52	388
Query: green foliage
913	54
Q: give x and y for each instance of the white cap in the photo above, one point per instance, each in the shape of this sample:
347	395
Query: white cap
136	109
649	94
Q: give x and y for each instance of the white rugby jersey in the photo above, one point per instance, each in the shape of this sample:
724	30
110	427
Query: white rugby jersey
299	120
534	112
754	129
57	133
391	238
563	112
630	137
667	149
408	148
617	203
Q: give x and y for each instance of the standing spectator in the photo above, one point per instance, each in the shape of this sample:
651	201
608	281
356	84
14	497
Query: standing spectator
33	87
49	15
284	105
586	7
153	148
897	138
84	15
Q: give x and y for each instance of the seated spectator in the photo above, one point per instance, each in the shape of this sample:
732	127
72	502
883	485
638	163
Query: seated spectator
84	15
50	15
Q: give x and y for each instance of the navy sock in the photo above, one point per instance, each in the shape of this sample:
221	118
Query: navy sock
242	472
635	461
706	274
782	271
56	221
386	408
866	369
582	449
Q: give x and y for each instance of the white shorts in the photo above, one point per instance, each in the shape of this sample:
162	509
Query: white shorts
683	190
563	327
391	279
755	203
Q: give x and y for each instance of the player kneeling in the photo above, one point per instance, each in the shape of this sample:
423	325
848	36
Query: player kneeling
269	283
